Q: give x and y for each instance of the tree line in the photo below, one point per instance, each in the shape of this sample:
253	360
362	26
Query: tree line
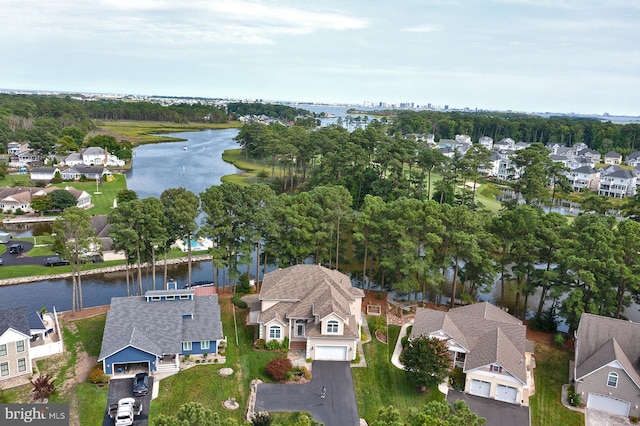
447	253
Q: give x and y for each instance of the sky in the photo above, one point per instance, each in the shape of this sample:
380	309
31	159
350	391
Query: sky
568	56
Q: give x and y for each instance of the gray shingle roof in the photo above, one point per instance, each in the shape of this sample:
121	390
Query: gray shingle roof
158	327
15	318
601	340
489	334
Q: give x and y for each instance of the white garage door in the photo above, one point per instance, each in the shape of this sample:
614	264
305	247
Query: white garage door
506	393
480	388
610	405
331	353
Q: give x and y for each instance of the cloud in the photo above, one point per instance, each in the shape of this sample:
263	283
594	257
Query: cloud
421	29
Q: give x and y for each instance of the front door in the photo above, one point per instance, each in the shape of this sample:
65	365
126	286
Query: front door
299	328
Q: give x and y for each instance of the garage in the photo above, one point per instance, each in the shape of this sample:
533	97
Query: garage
331	353
608	404
480	388
506	393
129	368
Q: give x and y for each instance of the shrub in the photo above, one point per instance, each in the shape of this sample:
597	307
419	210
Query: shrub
261	344
43	387
261	418
273	345
278	368
634	420
558	339
236	299
285	345
457	378
97	375
379	324
545	322
301	371
19	211
572	397
243	286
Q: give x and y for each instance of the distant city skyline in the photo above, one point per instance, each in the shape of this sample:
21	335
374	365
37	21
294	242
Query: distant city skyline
562	56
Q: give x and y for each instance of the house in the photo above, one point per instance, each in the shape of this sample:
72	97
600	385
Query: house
151	332
90	172
486	142
15	334
606	370
612	158
584	177
93	156
616	182
632	159
315	308
13	199
488	344
43	174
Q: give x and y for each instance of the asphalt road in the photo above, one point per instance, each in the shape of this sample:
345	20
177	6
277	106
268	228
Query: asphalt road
338	408
123	388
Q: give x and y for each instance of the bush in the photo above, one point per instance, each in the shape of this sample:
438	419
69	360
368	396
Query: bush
261	418
545	322
572	397
236	299
97	375
558	340
301	371
379	324
19	211
261	344
457	379
278	368
273	345
243	286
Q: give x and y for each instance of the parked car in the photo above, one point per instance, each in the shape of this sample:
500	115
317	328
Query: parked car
140	384
55	261
15	248
124	411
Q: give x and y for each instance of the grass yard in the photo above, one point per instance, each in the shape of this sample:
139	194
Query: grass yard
203	383
552	371
253	169
382	384
103	202
143	132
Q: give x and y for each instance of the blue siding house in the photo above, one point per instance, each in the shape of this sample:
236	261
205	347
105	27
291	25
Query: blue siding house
151	332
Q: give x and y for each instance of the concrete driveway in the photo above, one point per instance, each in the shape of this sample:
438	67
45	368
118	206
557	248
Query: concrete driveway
338	408
497	413
123	388
600	418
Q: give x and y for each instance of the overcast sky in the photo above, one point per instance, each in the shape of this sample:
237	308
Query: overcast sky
527	55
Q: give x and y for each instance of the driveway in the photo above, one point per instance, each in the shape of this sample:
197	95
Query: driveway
123	388
497	413
600	418
338	408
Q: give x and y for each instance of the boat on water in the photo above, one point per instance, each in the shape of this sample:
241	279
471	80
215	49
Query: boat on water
185	148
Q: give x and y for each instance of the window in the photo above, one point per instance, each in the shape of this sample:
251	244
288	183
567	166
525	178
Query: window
184	296
300	327
20	346
3	350
204	344
332	326
4	369
155	298
275	332
186	346
495	368
22	365
170	297
612	380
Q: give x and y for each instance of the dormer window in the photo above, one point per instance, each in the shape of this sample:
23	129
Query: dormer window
332	327
612	380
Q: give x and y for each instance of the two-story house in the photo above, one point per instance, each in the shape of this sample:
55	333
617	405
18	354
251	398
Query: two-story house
15	335
488	344
151	332
316	308
606	370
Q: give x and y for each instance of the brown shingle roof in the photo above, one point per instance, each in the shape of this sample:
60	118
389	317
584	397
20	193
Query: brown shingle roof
601	340
489	334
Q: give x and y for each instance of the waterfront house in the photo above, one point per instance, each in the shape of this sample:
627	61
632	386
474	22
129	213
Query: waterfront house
316	308
488	344
606	370
152	332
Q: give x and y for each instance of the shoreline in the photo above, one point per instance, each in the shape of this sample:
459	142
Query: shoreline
106	270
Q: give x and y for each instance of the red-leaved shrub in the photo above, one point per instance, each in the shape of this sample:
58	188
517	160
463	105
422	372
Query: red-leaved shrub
278	368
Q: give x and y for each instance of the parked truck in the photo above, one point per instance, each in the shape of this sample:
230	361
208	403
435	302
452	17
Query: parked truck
124	411
5	237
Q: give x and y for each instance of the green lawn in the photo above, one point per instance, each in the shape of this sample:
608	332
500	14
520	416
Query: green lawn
382	384
552	371
203	383
103	202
